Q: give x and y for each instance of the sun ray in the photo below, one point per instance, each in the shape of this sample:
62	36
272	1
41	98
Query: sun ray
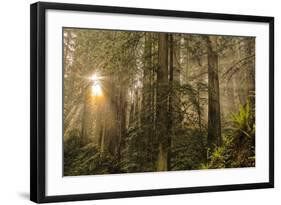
96	89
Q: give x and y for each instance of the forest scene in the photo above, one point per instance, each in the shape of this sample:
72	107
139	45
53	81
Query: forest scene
138	101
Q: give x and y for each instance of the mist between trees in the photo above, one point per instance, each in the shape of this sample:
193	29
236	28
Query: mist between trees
147	101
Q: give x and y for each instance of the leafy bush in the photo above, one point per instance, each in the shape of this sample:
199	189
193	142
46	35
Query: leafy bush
139	150
242	137
238	149
84	158
188	150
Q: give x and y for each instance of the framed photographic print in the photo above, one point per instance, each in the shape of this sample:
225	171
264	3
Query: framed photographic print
129	102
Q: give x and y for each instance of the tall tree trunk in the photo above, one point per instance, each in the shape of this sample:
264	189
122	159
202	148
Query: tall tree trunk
162	100
199	108
146	98
186	58
121	106
85	116
155	59
170	98
178	59
102	135
146	120
176	44
214	118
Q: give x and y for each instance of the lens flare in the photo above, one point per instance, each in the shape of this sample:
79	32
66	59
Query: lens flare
96	89
94	77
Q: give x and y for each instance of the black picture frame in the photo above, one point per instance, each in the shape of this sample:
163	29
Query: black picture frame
38	101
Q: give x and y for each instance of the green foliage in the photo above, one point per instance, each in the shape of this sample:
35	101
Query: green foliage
238	149
139	150
242	137
188	150
84	158
218	159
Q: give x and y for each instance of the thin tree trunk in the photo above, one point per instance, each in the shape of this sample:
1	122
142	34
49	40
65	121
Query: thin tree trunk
170	101
84	127
102	136
155	59
199	109
186	58
122	106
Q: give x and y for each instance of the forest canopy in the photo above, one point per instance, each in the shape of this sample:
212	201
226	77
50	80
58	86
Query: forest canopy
148	101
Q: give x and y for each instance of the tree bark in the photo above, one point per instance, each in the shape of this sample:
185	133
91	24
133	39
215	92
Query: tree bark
121	116
85	116
214	118
147	111
170	124
162	100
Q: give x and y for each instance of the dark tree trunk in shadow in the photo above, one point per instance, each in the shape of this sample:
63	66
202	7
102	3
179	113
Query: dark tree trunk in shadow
214	118
162	102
